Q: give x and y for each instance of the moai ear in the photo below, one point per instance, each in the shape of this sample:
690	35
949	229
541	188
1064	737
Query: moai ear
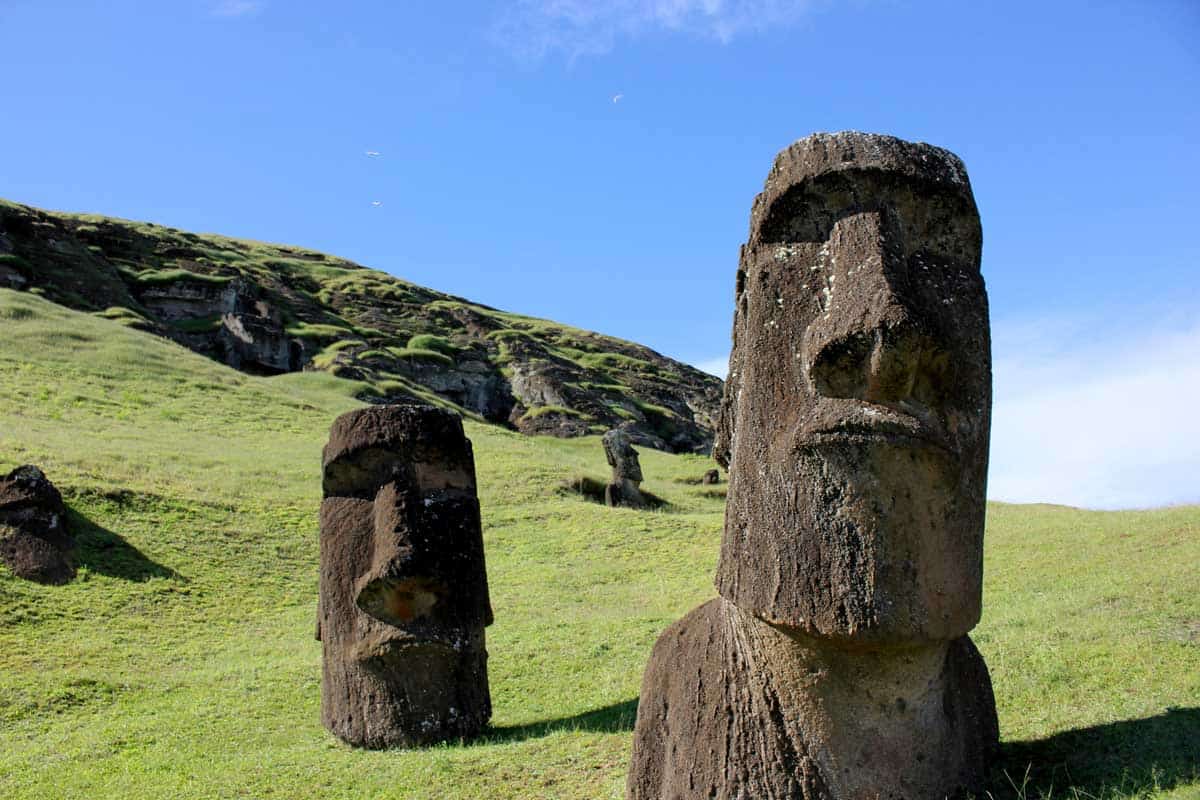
723	441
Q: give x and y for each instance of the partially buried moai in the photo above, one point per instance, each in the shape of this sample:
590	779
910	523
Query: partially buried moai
403	590
35	541
836	663
624	487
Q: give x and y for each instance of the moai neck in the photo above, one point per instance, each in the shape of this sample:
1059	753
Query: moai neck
874	720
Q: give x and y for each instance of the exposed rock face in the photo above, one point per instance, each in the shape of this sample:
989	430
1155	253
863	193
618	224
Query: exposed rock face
34	540
836	663
473	384
247	333
403	588
624	488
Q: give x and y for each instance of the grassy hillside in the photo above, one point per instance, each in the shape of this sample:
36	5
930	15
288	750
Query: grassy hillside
181	662
267	308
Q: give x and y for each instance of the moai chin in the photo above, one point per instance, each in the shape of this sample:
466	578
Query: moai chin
836	662
624	488
403	589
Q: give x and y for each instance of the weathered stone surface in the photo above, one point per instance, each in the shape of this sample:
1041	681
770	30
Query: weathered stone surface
711	477
250	335
10	278
403	587
624	487
35	542
733	707
854	427
258	344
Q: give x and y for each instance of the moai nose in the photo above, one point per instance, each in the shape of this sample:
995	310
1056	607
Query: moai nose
868	342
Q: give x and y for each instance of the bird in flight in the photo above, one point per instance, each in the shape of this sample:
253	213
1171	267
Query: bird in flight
617	97
376	203
374	153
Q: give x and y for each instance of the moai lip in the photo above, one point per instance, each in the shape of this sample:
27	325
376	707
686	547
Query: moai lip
403	591
835	663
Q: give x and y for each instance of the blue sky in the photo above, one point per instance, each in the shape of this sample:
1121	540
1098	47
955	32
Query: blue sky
595	162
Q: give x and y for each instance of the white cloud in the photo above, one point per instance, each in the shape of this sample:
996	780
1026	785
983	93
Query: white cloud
1088	413
535	28
238	8
714	366
1091	414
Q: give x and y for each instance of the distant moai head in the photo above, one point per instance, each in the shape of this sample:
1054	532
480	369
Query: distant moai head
618	450
856	412
403	597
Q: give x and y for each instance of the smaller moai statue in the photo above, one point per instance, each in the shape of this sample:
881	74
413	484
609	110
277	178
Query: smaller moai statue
35	542
624	487
403	588
711	478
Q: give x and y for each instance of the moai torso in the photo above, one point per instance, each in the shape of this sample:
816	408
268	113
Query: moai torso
403	590
854	427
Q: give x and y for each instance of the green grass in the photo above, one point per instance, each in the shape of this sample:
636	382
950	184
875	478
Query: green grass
161	277
539	411
14	261
198	324
181	662
415	354
427	341
317	331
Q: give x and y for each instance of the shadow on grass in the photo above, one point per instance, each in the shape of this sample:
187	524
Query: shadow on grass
593	490
1126	759
105	552
616	718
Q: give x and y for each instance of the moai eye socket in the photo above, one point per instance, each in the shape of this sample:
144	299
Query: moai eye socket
398	601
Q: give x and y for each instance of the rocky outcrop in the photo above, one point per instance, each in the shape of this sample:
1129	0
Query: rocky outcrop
223	318
35	541
836	663
267	309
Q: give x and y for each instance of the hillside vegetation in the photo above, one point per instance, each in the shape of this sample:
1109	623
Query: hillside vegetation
269	309
181	662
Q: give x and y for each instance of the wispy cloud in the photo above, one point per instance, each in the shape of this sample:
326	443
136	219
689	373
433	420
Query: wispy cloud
1092	415
536	28
238	8
714	366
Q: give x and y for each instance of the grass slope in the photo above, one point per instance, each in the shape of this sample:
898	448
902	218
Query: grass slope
181	662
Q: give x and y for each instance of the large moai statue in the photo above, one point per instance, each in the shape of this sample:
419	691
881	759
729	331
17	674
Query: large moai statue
624	487
836	664
403	590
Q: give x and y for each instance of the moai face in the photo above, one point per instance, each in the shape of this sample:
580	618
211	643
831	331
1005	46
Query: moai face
855	418
404	598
